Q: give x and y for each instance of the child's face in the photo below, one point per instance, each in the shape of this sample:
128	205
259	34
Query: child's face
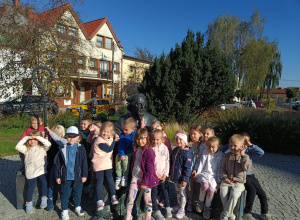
127	129
213	147
207	134
236	147
106	133
142	141
157	140
84	125
34	124
195	135
32	141
72	139
180	143
156	126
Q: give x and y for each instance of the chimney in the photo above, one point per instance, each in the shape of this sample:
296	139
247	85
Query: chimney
16	3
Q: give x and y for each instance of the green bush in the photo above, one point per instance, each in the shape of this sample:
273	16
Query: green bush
276	134
19	120
102	116
122	110
65	119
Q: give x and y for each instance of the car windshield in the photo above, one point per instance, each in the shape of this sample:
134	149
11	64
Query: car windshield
85	102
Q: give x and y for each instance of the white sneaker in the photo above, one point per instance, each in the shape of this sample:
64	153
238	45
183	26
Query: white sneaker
79	211
100	205
114	200
65	215
118	183
124	181
175	208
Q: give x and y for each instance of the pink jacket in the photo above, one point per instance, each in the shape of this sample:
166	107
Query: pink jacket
101	160
41	128
162	160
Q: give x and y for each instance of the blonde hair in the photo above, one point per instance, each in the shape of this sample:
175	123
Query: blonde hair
59	130
159	123
141	132
199	129
33	133
130	122
36	118
97	124
213	139
237	139
181	131
159	132
210	129
108	125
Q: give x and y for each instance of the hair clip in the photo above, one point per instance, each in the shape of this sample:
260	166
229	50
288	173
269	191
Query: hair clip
143	136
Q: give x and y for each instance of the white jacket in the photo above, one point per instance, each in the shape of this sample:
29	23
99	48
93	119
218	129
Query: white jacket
35	158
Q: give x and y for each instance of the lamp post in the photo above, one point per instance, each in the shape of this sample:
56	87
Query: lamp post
42	88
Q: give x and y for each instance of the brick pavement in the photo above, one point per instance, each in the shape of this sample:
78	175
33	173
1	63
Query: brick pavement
278	174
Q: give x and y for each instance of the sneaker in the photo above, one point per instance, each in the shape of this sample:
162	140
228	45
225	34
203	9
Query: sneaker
231	217
157	215
199	206
29	207
50	204
247	216
100	205
65	215
168	212
118	183
189	207
114	200
43	202
175	208
124	181
79	211
180	214
206	212
266	217
223	216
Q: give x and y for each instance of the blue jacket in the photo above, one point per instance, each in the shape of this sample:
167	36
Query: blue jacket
126	143
254	151
180	165
80	169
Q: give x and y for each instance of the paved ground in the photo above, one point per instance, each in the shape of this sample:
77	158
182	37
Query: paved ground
278	174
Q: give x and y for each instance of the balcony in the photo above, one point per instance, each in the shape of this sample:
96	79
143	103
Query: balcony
97	74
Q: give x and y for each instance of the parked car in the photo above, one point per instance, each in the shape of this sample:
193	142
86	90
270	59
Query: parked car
259	104
296	106
231	105
27	103
87	105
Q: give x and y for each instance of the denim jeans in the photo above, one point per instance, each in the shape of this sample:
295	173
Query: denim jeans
66	190
51	182
31	185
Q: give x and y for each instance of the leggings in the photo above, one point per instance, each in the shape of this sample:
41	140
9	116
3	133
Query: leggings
99	176
207	190
160	188
181	195
133	191
31	185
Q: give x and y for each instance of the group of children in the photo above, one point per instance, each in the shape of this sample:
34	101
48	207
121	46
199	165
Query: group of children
83	159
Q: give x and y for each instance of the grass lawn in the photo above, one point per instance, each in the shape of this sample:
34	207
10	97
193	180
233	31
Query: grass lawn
8	141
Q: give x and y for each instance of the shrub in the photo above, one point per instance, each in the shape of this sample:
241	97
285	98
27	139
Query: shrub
102	116
19	120
122	110
171	128
65	119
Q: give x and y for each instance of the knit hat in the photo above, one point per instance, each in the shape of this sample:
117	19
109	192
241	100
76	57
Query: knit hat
72	131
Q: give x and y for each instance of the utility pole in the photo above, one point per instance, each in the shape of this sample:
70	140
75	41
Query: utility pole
112	76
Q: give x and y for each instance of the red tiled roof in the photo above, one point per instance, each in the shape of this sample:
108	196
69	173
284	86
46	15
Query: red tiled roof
278	91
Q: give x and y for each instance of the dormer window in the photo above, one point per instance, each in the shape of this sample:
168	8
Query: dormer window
99	41
73	33
61	31
108	43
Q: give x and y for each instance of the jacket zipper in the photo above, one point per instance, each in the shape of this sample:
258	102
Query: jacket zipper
234	167
174	164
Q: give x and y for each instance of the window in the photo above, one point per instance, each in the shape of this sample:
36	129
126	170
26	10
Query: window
92	64
132	71
107	43
81	62
60	90
104	68
103	102
61	30
72	33
116	68
99	41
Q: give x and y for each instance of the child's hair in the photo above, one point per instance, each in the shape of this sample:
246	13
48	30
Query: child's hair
199	129
213	139
59	130
36	118
210	129
158	123
97	124
158	131
88	119
33	133
236	138
142	132
80	137
181	131
108	125
130	122
244	134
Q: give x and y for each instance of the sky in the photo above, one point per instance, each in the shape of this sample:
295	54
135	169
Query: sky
159	24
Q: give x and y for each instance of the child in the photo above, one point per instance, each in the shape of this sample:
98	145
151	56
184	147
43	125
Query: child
252	185
59	130
143	172
34	147
233	175
167	141
35	124
180	171
102	164
195	138
71	171
162	167
208	174
123	159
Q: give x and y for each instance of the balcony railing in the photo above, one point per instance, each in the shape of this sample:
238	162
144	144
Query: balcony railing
99	75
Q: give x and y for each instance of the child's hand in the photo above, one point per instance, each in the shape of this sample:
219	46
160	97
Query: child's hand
142	121
143	187
83	179
248	142
183	184
122	158
58	181
48	129
163	178
194	173
117	137
92	127
228	181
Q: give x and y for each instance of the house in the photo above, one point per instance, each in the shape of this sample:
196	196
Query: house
279	95
94	63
